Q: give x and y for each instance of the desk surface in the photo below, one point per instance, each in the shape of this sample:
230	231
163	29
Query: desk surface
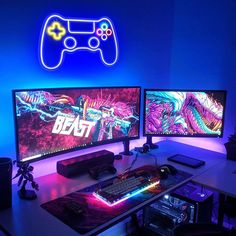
221	177
96	214
28	218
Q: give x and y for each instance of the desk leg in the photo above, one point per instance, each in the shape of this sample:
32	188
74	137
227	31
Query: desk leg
221	209
4	231
134	220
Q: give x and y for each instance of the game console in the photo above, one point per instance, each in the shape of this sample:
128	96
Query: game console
66	35
168	214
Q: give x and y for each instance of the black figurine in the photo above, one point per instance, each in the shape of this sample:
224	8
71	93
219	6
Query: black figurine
25	175
230	147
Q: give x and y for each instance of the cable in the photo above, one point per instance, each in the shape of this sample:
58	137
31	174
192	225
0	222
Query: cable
132	164
135	159
155	159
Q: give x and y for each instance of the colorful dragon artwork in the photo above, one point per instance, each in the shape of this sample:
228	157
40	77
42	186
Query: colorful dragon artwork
183	113
55	120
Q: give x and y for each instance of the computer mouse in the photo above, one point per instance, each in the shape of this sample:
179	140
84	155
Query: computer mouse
166	170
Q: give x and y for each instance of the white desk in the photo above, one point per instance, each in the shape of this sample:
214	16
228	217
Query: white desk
222	178
27	218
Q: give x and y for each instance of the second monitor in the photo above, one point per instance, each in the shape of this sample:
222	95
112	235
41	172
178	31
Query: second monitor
186	113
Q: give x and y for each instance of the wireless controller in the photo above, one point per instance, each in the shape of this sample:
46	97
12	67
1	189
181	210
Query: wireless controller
97	171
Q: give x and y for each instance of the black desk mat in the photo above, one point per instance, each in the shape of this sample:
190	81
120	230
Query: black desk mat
96	212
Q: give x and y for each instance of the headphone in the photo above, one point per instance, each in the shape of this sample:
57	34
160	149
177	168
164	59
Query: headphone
144	149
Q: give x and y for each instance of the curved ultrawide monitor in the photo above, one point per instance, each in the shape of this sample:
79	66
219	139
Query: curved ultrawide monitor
51	121
194	113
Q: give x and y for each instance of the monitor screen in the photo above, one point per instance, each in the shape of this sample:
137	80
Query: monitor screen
49	121
184	113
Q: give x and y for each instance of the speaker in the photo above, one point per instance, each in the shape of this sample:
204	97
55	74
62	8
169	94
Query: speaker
81	164
5	183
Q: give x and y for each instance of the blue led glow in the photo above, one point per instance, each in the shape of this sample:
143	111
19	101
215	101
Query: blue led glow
104	26
166	196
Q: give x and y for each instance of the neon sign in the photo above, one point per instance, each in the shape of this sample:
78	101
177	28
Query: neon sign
61	35
56	31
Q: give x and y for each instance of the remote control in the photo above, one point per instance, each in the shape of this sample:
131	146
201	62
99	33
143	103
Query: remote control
74	207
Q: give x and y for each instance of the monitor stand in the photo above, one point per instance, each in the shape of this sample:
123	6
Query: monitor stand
126	151
150	143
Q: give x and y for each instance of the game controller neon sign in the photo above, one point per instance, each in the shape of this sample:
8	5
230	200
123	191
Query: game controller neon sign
61	35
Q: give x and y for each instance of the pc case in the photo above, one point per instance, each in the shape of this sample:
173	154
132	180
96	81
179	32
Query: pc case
189	203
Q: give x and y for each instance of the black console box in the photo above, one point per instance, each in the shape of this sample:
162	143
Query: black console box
81	164
200	197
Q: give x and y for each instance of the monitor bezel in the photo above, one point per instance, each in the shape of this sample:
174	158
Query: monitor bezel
181	135
100	143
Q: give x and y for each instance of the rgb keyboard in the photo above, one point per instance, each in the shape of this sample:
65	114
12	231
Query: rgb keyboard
124	187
